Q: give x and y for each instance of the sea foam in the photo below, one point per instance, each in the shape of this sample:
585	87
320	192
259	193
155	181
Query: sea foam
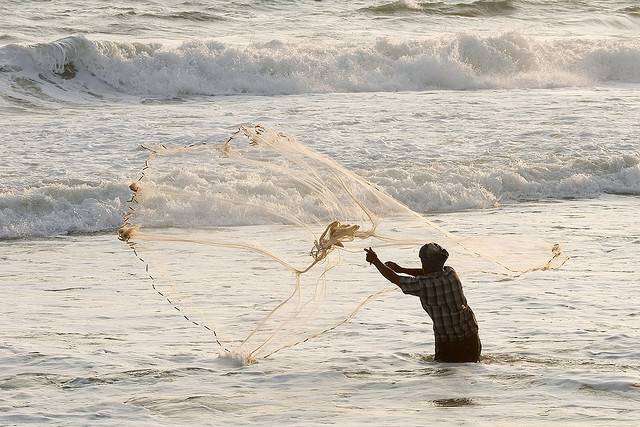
61	209
200	67
57	209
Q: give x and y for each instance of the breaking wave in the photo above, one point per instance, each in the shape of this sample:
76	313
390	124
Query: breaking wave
461	62
69	207
63	208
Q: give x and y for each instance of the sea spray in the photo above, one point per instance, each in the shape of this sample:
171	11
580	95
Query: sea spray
210	67
235	359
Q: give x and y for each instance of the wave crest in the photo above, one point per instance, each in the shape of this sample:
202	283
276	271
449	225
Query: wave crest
76	207
62	208
461	62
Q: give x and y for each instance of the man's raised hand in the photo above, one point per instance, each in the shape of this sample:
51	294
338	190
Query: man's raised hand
371	255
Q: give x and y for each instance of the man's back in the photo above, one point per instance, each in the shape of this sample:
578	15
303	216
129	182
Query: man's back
442	298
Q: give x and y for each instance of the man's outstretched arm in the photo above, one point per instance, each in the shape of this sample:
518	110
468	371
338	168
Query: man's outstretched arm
410	271
387	272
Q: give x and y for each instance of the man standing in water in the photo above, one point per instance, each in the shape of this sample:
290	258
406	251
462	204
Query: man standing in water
440	292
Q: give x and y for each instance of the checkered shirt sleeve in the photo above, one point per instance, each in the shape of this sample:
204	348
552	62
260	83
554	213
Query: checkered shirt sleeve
410	285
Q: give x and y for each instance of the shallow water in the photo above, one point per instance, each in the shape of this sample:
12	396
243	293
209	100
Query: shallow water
87	341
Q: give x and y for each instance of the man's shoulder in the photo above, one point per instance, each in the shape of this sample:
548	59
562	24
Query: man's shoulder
446	271
451	274
445	278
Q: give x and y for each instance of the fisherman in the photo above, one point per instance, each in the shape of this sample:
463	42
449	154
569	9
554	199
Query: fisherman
440	292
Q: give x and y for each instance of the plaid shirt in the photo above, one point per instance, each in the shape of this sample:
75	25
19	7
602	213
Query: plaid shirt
442	298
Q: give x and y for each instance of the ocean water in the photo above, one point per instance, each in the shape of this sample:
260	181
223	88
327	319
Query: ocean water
514	117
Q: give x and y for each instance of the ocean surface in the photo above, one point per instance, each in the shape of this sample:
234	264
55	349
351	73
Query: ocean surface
514	117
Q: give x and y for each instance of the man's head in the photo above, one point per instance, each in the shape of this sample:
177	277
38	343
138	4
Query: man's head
433	257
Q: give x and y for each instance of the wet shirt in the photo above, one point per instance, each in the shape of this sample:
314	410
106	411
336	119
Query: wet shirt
442	298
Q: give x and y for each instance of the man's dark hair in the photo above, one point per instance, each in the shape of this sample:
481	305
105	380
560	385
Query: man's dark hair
434	255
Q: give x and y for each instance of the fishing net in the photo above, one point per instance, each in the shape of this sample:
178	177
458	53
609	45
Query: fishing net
259	240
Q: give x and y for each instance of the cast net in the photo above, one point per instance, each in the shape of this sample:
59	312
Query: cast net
259	239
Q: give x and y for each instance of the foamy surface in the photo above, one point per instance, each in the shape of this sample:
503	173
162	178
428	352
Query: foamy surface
433	151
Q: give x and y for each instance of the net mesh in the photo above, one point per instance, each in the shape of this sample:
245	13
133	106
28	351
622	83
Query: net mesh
259	239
